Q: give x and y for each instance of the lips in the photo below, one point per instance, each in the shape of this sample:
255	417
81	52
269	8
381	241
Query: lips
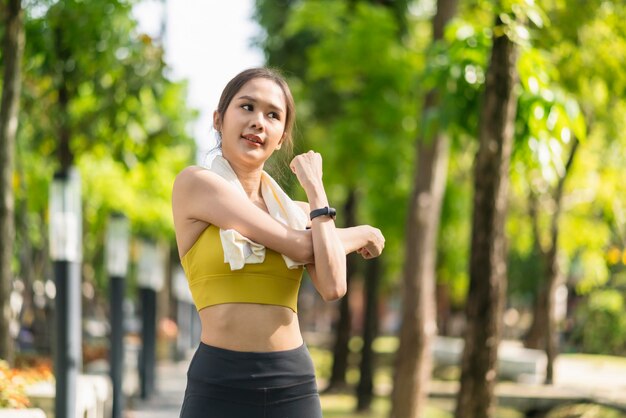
253	138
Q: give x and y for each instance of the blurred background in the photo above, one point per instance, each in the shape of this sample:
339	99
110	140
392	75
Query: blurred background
486	139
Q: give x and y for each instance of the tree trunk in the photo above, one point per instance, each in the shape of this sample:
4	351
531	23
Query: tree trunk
365	388
535	337
413	359
341	351
442	292
488	251
543	330
13	48
552	283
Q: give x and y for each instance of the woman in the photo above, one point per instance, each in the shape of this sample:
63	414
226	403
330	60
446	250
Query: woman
243	244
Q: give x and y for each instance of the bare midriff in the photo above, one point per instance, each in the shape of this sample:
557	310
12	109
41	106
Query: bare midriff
250	327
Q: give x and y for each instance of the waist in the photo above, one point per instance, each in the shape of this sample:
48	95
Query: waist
229	368
250	327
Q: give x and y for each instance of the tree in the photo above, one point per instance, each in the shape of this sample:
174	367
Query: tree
545	308
365	387
113	113
549	119
358	113
413	359
488	249
560	111
341	346
13	47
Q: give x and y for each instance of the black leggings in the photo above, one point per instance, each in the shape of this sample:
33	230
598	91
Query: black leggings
233	384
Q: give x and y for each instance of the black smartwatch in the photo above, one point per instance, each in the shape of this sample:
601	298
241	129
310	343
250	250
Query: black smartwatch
325	211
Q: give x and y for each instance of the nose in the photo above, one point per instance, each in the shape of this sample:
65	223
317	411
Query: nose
256	121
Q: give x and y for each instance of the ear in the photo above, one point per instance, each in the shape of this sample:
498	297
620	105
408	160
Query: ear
280	143
217	121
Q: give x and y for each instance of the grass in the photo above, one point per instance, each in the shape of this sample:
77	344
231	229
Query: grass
343	405
598	360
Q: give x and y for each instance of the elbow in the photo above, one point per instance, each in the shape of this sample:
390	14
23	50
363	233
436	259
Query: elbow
335	293
336	288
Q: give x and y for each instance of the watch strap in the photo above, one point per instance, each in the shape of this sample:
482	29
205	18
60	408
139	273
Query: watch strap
325	211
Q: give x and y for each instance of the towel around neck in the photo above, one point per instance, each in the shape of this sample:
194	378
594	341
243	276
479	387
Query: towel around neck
239	250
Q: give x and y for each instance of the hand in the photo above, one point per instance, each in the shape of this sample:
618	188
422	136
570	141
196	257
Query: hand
375	243
308	168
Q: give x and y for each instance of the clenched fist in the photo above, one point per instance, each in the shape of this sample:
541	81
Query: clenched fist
308	168
375	243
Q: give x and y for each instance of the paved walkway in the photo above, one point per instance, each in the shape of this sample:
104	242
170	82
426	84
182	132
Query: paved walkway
171	378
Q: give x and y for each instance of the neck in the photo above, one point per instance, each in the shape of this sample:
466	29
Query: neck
250	179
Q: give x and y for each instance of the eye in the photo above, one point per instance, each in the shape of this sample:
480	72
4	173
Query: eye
247	107
274	115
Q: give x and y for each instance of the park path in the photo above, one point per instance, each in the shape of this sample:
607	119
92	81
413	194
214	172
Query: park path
171	378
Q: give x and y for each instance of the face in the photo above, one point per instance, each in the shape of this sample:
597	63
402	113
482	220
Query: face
254	122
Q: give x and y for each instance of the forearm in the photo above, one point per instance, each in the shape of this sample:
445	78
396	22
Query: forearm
353	238
328	248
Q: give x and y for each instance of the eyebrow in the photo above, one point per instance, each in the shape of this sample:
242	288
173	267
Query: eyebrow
271	105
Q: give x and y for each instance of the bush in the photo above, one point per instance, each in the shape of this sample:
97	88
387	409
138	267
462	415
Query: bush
14	381
12	385
601	323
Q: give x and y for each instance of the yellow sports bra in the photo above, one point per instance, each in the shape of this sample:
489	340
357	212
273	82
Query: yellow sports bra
212	282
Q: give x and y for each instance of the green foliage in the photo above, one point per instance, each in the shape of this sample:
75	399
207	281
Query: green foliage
456	67
601	323
127	122
114	79
454	235
357	104
353	77
567	94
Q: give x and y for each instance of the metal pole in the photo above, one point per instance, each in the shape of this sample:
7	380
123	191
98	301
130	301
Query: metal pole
148	351
66	251
117	344
183	320
68	355
196	326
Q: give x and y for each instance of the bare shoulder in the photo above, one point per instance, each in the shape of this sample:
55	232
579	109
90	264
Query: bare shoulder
194	187
194	176
198	183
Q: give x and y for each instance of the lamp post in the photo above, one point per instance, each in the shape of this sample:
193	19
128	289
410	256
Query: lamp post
66	252
117	267
150	277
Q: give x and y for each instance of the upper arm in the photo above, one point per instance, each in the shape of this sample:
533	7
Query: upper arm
201	195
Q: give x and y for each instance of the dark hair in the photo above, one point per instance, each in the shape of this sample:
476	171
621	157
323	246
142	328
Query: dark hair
242	78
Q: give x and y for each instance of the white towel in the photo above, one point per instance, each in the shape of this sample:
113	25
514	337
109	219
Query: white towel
239	250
